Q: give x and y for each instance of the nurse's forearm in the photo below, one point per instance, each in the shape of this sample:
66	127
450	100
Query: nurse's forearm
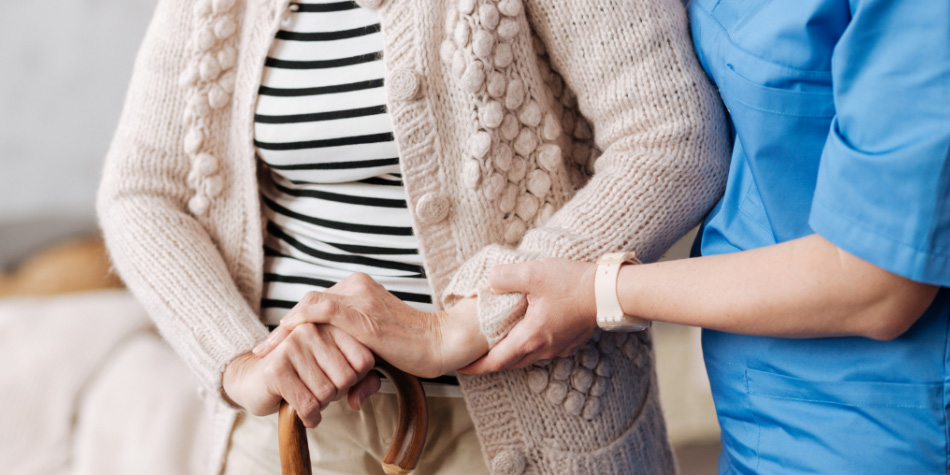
807	287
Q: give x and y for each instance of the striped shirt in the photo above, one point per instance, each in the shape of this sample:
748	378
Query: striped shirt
332	193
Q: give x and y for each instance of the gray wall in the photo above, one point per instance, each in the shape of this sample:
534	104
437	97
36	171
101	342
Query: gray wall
65	69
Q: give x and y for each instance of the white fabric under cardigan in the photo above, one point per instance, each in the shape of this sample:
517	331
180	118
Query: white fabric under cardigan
331	187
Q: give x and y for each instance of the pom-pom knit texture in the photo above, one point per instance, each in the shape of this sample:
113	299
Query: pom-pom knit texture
526	128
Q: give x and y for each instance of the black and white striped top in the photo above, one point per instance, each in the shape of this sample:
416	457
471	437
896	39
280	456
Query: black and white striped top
333	197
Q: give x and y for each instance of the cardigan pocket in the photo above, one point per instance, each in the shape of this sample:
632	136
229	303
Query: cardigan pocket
845	426
599	395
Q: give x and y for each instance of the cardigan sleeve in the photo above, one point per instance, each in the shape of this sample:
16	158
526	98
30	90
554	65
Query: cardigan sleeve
165	256
658	122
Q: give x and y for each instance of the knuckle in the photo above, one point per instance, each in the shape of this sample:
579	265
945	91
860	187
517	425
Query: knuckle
311	297
302	332
278	368
364	362
530	270
309	410
350	378
327	307
361	278
324	392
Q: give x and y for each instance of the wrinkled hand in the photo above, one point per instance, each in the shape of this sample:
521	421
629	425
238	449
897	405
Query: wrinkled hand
313	366
426	344
561	315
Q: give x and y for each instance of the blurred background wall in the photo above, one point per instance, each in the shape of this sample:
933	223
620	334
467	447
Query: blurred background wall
66	66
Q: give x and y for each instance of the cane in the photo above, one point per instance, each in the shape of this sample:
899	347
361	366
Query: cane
406	448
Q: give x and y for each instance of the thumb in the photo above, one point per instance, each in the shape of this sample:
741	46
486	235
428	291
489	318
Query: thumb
509	278
510	350
314	307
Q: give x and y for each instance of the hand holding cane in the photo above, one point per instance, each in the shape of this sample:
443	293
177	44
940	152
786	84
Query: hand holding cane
408	441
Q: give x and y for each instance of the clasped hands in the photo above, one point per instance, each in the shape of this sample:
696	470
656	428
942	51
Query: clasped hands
323	349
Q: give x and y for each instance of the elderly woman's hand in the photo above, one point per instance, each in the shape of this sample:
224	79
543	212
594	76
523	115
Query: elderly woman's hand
312	367
426	344
561	315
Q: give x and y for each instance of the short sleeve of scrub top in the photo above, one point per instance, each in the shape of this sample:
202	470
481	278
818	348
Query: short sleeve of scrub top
841	119
883	189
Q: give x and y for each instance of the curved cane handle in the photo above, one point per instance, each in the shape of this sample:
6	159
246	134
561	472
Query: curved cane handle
406	448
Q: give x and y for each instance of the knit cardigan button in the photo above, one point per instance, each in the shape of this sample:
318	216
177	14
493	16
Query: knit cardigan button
508	462
432	208
404	84
370	3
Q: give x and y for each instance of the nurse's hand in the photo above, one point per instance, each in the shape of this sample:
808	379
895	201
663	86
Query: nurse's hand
426	344
561	315
312	367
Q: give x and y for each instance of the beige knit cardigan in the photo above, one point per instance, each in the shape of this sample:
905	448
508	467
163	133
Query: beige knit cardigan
525	128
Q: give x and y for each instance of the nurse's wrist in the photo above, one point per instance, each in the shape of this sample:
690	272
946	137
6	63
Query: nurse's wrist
631	290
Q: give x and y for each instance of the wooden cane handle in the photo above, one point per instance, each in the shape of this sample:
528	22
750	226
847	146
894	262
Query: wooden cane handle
408	441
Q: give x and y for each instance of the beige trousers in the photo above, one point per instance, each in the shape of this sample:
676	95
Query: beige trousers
349	442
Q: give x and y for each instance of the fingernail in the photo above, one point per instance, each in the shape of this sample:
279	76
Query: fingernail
259	348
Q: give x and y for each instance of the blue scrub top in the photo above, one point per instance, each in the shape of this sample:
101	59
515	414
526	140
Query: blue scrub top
841	119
